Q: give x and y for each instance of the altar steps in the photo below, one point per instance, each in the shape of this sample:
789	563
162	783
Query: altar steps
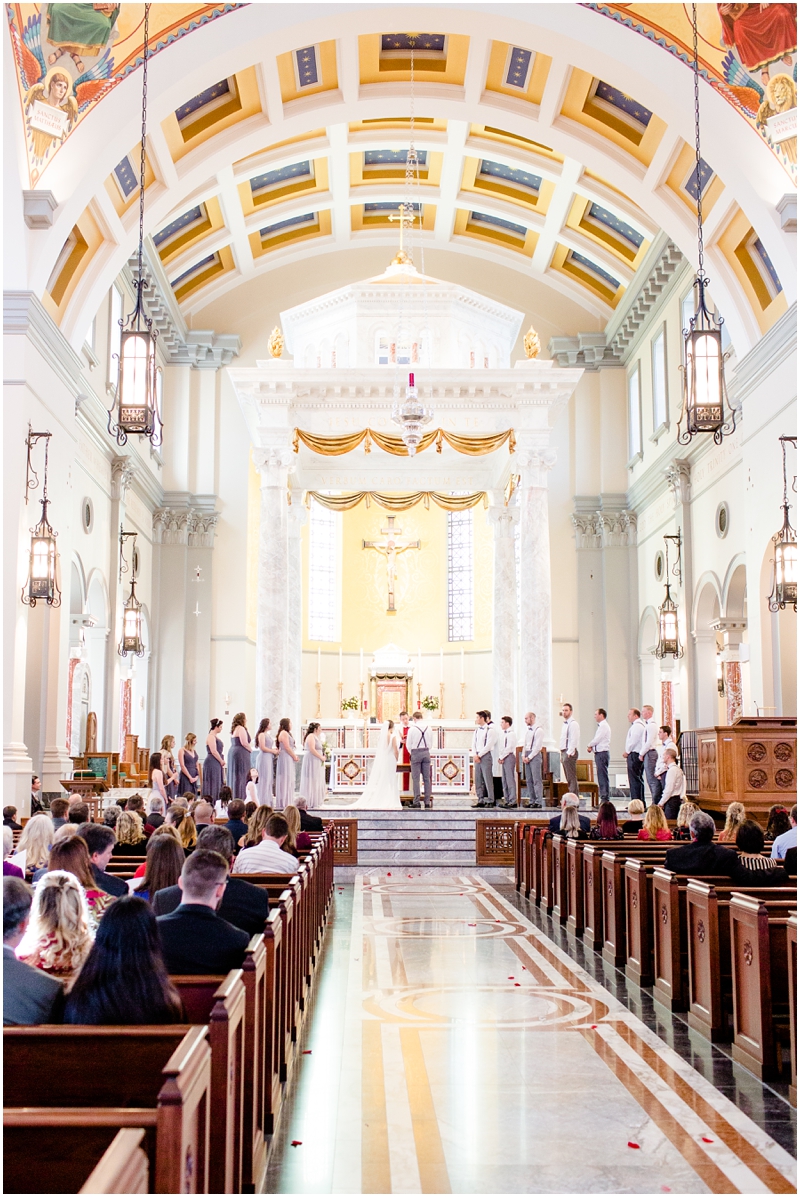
419	837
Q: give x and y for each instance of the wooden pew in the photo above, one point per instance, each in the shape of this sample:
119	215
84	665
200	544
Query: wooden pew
116	1077
612	865
669	938
61	1151
708	929
122	1168
791	951
592	883
759	963
220	1003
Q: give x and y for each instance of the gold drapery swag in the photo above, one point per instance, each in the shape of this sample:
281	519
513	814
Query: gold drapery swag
334	446
399	502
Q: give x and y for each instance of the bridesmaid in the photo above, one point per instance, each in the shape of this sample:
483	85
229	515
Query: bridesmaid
239	756
285	772
312	774
214	763
265	763
168	767
157	777
189	767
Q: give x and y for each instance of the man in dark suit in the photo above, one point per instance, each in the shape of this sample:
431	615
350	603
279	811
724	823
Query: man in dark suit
100	841
701	856
307	822
570	800
195	939
244	905
236	824
30	996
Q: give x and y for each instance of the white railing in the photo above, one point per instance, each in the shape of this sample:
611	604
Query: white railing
450	770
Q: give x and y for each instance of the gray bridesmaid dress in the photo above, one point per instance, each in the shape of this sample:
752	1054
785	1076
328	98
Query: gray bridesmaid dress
239	767
312	775
285	777
265	763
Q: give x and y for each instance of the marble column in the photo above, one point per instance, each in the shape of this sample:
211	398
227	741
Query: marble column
297	516
679	479
732	632
123	471
536	650
273	695
504	620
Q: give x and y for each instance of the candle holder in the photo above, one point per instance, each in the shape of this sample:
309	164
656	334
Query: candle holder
419	696
319	699
463	689
341	699
441	700
361	699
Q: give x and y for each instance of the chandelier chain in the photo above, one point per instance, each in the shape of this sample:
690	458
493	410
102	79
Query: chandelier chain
142	159
698	159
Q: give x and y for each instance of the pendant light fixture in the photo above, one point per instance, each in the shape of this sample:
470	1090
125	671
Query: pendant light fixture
669	644
131	641
706	407
135	407
412	414
42	583
784	564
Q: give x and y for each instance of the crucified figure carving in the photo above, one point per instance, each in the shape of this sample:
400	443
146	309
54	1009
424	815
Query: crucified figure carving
390	548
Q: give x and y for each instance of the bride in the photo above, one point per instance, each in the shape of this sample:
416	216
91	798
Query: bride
382	791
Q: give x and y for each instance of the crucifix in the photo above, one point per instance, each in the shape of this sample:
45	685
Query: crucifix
405	218
391	547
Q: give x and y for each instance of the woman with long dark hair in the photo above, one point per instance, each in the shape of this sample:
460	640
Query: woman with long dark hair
124	981
157	782
165	859
265	763
607	827
214	763
285	772
239	757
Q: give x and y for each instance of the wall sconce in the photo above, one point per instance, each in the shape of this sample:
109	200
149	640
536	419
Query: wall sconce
131	641
668	637
784	565
42	583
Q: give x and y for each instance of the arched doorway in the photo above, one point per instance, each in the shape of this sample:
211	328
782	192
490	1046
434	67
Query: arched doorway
96	640
778	652
708	664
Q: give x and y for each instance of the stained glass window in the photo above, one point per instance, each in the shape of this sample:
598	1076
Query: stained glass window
460	614
323	574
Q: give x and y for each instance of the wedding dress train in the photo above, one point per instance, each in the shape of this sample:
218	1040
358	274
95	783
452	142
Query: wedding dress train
382	791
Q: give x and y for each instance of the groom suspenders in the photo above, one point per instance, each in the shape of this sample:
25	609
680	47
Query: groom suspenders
423	742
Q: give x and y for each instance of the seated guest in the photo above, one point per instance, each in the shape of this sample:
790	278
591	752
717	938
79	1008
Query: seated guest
255	826
790	862
570	824
788	839
136	803
299	839
203	814
307	822
681	830
30	996
244	905
78	813
67	832
250	809
110	816
606	827
674	785
9	869
155	812
122	803
36	841
702	856
72	856
251	793
188	834
59	809
236	824
225	796
655	824
10	818
556	823
750	845
268	856
633	825
164	829
58	939
194	937
124	981
100	841
778	822
162	868
735	815
131	840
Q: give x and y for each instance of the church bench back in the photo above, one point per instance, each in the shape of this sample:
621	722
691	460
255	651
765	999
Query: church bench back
54	1150
759	962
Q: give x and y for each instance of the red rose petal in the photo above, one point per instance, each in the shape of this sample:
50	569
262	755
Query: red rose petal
297	1142
635	1146
517	984
511	978
666	1189
705	1140
594	1026
472	924
307	1052
524	969
409	877
388	874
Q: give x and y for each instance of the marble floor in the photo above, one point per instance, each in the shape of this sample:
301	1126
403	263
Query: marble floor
454	1047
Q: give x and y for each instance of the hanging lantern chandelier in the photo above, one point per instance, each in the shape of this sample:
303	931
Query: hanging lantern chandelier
131	641
784	564
669	644
134	411
42	583
706	407
411	414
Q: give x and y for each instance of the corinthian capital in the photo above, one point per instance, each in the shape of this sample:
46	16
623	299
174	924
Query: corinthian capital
535	464
679	479
122	472
272	460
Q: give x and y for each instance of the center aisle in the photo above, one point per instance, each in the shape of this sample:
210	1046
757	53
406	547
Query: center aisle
455	1049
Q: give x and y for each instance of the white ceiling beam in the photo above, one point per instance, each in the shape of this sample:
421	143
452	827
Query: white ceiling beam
557	212
339	182
233	216
450	179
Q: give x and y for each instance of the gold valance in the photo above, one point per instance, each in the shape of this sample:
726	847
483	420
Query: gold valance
398	502
334	446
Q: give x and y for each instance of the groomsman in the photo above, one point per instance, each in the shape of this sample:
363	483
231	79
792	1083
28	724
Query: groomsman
570	739
484	750
665	741
634	748
654	783
533	759
418	742
508	761
601	747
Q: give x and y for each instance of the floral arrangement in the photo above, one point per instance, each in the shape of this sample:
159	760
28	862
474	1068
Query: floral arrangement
430	703
350	704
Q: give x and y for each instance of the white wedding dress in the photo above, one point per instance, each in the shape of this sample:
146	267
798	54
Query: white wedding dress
382	791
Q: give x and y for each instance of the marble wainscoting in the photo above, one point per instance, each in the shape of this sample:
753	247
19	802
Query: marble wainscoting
454	1048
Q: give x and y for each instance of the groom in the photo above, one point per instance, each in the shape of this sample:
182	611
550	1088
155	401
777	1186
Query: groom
418	743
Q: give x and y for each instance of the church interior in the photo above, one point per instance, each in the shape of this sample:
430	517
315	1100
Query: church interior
400	485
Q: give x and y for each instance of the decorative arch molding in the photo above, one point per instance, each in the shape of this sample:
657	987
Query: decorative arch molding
648	618
77	564
734	588
96	580
706	581
254	35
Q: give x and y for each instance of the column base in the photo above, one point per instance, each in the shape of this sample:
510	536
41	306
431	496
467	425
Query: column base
56	763
17	773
